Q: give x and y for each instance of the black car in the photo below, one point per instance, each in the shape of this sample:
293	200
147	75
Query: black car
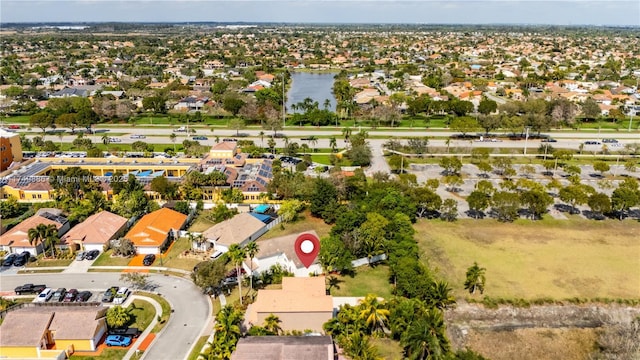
22	259
83	296
110	294
8	261
148	259
90	255
58	295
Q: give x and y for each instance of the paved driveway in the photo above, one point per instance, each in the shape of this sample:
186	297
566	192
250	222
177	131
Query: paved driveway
189	320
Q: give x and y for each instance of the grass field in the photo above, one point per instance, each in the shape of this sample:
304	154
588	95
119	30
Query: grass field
550	258
166	310
105	259
49	262
367	280
306	222
143	313
195	353
172	259
107	354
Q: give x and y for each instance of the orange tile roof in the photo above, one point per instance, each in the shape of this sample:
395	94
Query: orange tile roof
153	228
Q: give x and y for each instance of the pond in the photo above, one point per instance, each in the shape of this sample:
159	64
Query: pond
317	86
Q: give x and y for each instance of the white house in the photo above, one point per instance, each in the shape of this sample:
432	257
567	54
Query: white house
281	250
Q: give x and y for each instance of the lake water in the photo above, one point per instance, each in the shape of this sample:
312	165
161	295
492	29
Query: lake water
317	86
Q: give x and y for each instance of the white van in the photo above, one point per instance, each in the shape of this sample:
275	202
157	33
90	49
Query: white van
44	296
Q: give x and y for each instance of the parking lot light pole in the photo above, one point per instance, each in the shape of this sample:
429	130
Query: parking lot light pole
526	139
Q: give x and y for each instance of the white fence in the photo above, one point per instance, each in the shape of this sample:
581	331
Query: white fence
367	261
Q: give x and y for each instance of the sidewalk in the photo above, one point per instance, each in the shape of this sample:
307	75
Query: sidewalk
146	338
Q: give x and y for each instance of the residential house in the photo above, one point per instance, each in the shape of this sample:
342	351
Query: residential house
154	232
16	240
224	150
47	332
281	251
240	229
301	304
191	103
95	232
284	348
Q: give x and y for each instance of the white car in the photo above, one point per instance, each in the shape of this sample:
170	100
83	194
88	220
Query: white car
114	140
121	296
44	296
216	254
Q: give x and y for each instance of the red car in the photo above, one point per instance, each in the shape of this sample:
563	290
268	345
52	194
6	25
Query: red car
70	296
14	126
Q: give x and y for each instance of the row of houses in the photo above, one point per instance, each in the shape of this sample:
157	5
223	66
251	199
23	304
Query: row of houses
152	233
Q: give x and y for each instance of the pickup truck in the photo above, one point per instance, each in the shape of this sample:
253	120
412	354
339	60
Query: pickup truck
29	289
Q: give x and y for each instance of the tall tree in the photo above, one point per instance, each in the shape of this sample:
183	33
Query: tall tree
252	250
374	313
237	255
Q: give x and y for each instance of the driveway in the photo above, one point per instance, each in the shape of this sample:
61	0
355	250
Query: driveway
191	310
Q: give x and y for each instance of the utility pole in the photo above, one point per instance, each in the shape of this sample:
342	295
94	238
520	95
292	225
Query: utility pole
526	139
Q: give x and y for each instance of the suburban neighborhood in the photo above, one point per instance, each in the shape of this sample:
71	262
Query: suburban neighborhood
460	192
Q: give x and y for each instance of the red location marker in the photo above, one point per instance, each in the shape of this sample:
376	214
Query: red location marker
307	248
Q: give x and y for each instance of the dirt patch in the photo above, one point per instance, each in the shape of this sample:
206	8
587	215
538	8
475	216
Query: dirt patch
533	344
536	332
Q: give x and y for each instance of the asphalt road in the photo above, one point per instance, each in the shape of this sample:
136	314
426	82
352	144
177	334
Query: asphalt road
191	313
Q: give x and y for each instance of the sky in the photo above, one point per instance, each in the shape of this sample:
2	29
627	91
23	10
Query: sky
561	12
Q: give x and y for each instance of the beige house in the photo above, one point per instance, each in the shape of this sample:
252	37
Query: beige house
240	229
284	348
301	304
16	240
46	331
224	150
95	232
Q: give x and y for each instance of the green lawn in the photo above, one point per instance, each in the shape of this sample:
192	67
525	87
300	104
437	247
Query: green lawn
143	313
107	354
559	259
367	280
166	309
195	353
105	259
172	258
49	263
306	222
387	349
201	223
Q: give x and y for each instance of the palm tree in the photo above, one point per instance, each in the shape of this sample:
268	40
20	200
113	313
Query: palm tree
333	144
105	139
425	338
272	324
359	347
475	278
237	255
374	313
261	134
227	333
41	234
252	249
173	140
441	295
313	140
327	104
448	143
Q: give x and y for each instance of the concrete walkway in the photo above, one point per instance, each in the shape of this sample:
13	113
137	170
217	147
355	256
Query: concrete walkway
147	331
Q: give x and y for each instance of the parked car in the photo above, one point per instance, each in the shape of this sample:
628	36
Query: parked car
45	295
118	340
233	273
137	136
229	281
591	142
148	259
14	127
30	289
22	259
114	140
549	140
80	255
216	254
92	254
83	296
200	137
132	332
70	296
9	259
58	295
121	296
109	294
180	129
